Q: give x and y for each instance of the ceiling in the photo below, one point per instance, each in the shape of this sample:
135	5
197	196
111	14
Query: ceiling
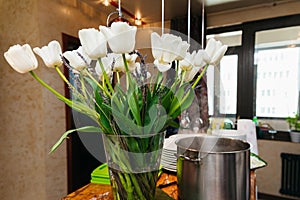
150	11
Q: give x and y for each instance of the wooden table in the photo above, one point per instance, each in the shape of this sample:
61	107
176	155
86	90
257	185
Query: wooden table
167	189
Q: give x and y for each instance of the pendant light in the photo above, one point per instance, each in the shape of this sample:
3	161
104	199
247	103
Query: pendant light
162	16
203	25
120	17
189	21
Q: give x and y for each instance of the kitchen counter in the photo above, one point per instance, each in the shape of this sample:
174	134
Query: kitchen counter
167	189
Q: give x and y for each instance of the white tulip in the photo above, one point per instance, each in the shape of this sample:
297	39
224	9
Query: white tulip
107	62
119	63
77	58
201	58
188	65
191	74
93	43
166	49
21	58
50	54
218	56
120	37
182	50
130	59
215	51
188	62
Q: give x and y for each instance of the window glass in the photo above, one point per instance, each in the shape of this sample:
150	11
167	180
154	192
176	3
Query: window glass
277	61
222	80
231	39
228	84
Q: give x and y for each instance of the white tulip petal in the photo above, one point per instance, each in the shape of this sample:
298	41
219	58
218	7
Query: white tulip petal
162	67
50	54
210	47
76	61
120	37
156	45
99	71
167	48
215	51
201	58
21	58
182	50
191	74
188	63
218	55
93	43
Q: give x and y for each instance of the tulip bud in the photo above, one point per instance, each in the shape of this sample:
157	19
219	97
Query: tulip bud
120	37
77	59
21	58
93	43
50	54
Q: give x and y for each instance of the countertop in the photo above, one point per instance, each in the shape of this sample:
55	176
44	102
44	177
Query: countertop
167	189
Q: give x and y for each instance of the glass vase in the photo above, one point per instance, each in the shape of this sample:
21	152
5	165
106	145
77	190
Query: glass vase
133	163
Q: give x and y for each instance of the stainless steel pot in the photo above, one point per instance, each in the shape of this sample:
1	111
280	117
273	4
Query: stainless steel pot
212	168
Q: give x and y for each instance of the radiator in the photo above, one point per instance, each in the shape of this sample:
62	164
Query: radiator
290	175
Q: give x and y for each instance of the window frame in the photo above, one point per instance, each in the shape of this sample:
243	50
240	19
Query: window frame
246	68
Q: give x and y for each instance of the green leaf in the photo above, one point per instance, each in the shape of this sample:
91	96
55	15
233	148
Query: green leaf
102	108
126	124
157	119
134	107
90	129
187	99
181	103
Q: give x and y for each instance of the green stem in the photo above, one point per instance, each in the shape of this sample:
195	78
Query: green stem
69	102
64	78
176	69
129	188
130	182
200	76
137	187
182	77
83	86
105	76
60	96
118	77
98	84
126	70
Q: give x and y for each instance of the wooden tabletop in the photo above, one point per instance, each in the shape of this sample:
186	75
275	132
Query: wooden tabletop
167	189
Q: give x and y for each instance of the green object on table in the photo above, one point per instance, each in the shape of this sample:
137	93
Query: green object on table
100	175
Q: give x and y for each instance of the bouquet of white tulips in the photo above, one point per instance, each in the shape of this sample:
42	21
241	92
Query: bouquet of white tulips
142	104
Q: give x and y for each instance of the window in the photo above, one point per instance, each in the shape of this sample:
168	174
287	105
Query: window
278	51
223	96
267	67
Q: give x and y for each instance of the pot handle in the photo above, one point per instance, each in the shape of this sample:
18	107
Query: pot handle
188	158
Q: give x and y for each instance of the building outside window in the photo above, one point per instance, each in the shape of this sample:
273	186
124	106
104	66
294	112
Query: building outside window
260	74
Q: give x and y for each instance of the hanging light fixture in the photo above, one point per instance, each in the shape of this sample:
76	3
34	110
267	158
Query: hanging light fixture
120	17
203	25
189	21
162	16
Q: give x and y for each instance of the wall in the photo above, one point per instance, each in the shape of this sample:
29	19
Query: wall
263	11
32	119
269	178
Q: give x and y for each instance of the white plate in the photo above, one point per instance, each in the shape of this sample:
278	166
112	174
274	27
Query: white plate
170	169
169	144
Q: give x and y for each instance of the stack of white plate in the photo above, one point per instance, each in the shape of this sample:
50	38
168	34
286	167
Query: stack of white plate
168	157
